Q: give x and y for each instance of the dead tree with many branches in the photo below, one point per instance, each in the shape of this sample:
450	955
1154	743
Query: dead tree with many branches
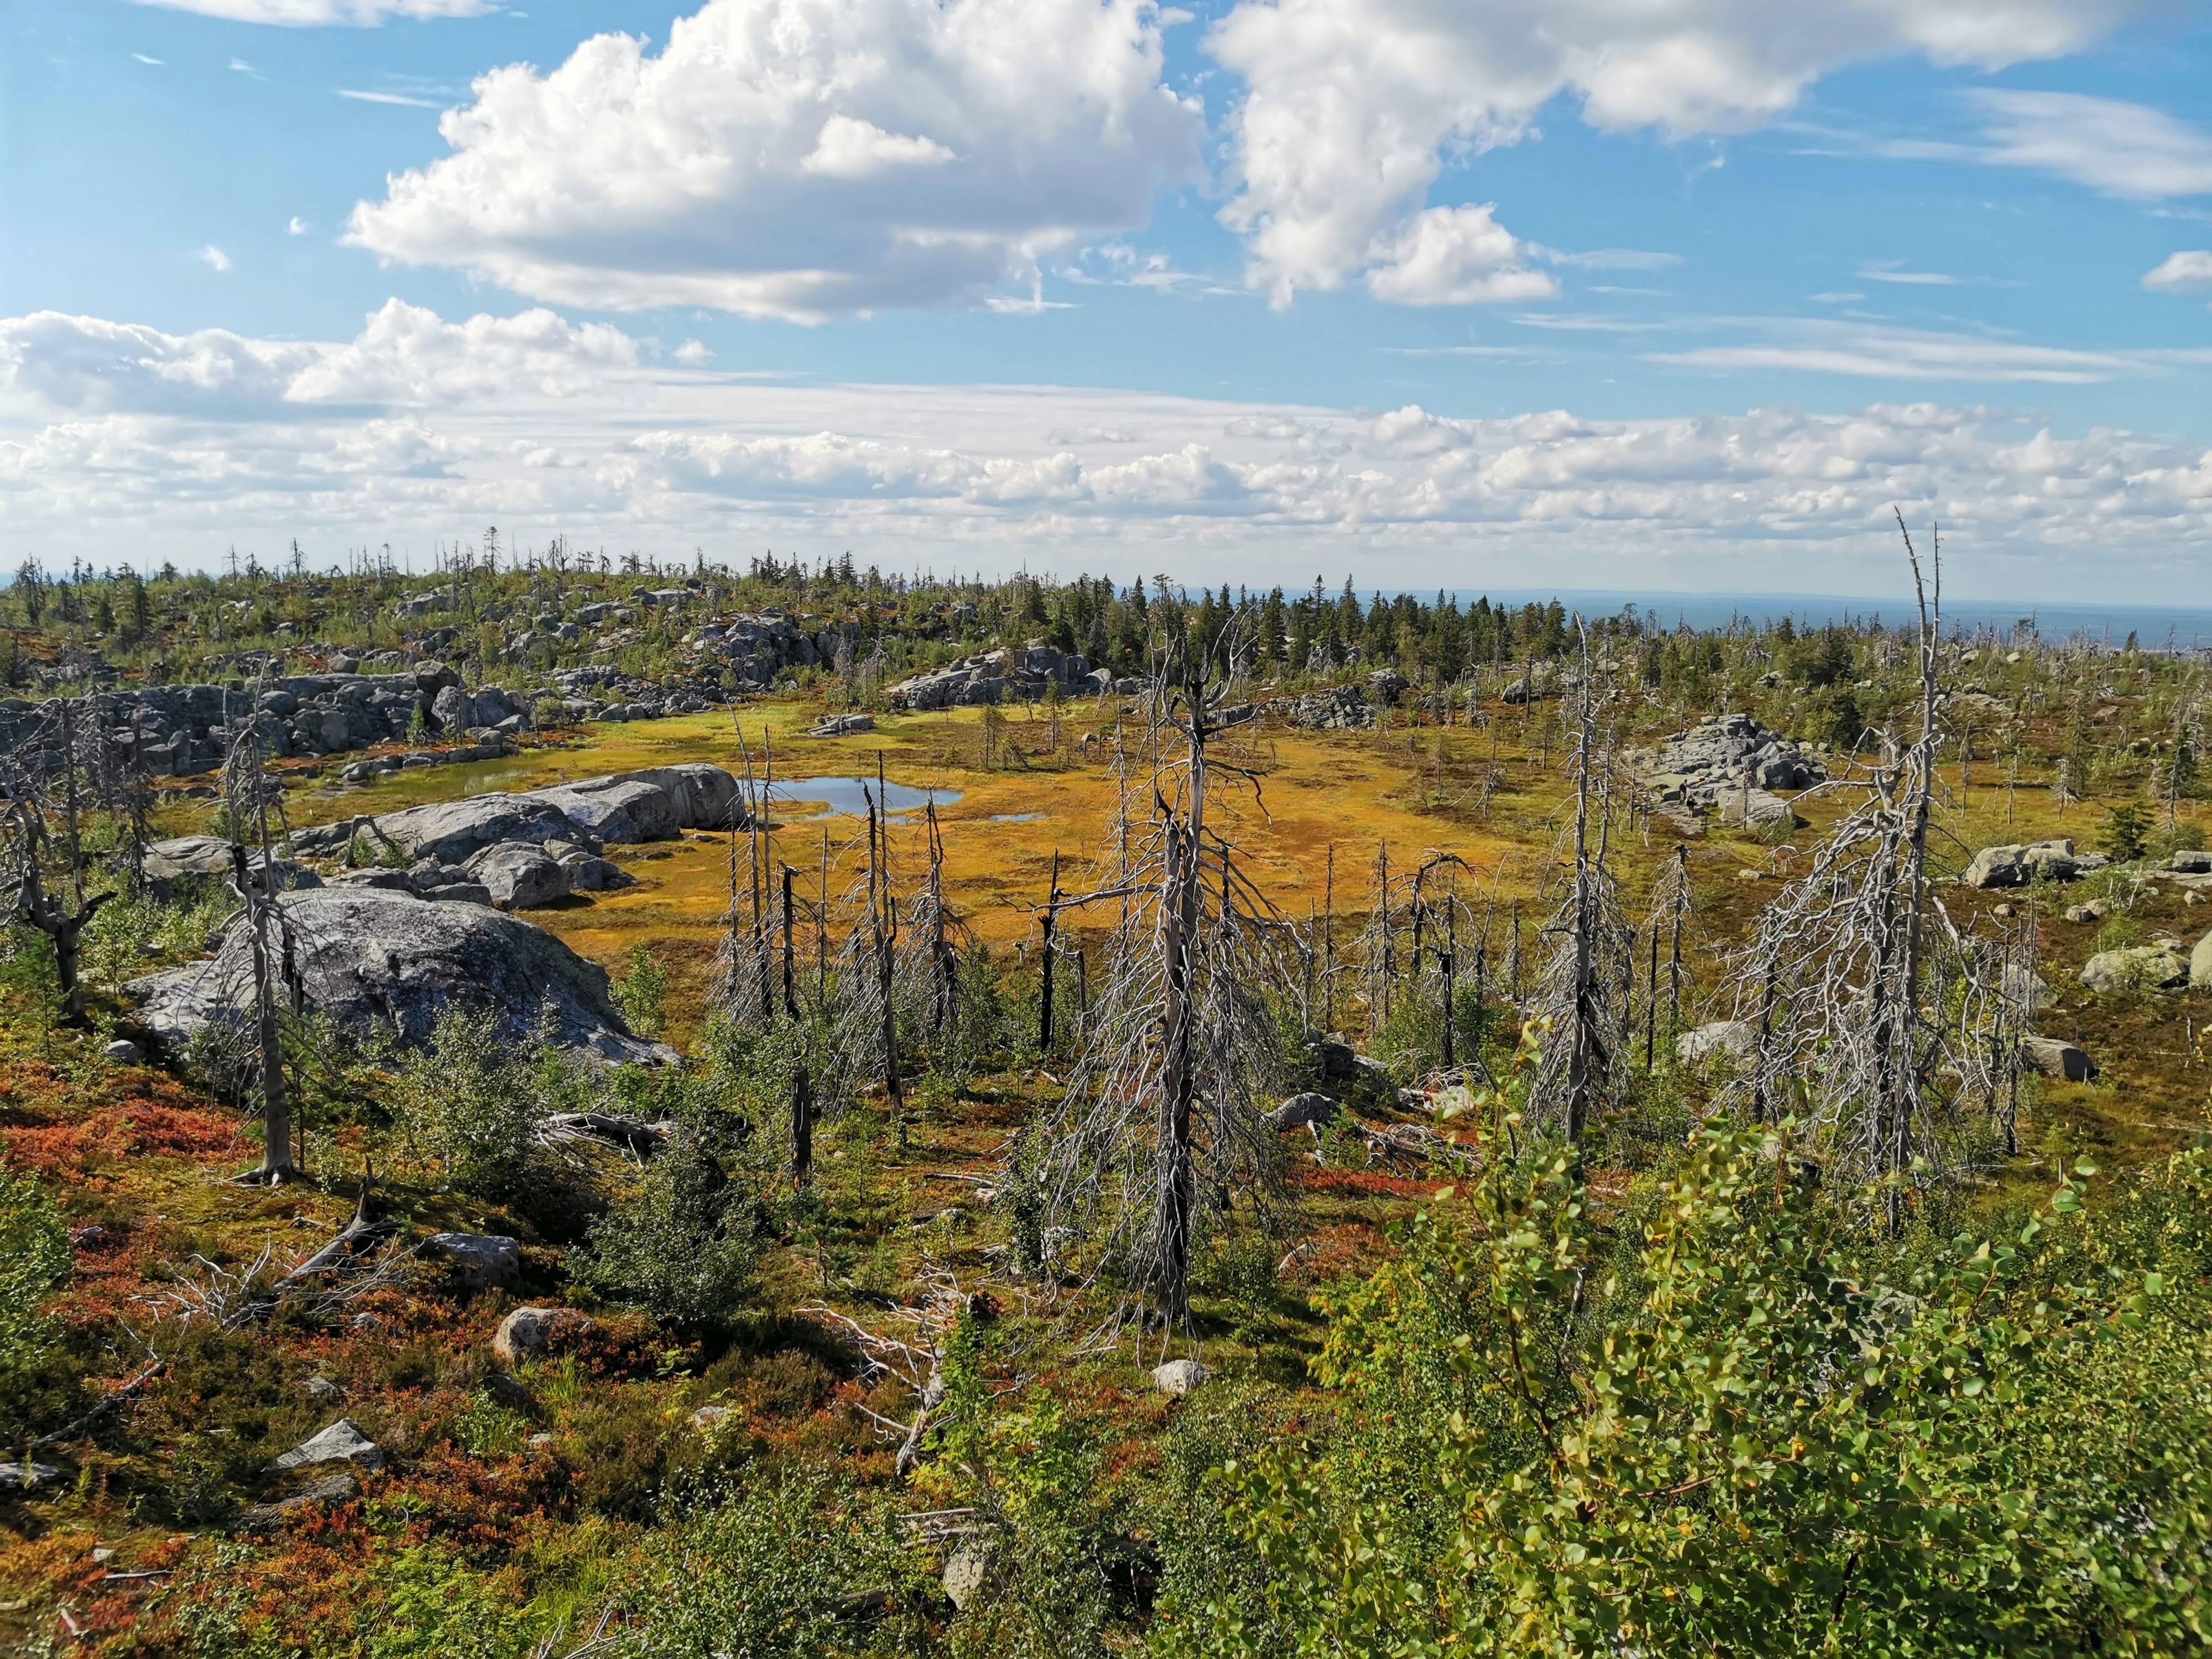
1589	943
1161	1121
1878	1021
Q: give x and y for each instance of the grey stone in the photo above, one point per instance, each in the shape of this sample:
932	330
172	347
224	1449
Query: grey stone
1179	1377
589	873
2055	1057
2200	965
528	1332
2027	989
967	1572
843	726
343	1441
456	892
480	1260
1303	1110
518	875
450	831
365	956
123	1052
2094	910
26	1475
1735	1041
1756	809
2017	864
2136	968
209	855
616	810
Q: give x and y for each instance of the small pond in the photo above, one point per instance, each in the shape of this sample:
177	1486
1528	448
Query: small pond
839	797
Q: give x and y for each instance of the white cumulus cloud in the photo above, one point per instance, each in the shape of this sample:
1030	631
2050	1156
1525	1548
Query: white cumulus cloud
213	258
1453	257
803	159
1352	107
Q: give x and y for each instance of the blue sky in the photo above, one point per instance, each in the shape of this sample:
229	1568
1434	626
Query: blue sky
1397	286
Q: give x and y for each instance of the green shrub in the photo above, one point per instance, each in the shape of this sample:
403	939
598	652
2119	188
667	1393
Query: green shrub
35	1260
641	993
471	1100
1745	1423
683	1245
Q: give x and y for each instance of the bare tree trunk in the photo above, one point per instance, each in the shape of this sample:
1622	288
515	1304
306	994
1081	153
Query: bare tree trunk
802	1127
277	1165
1045	960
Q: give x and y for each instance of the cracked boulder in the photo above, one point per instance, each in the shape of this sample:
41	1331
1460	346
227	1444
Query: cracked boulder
366	956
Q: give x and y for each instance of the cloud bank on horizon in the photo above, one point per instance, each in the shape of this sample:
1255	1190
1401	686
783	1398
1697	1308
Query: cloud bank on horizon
950	182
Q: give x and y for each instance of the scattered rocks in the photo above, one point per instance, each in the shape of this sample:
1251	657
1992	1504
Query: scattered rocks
1179	1377
321	1387
123	1052
181	856
480	1260
2190	862
2025	988
843	726
2055	1057
528	1332
2137	967
2200	965
2017	865
27	1476
365	956
1302	1111
2094	910
343	1441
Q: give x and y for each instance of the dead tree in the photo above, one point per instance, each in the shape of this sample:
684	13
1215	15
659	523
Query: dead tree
1878	1018
43	779
1161	1122
253	806
1588	939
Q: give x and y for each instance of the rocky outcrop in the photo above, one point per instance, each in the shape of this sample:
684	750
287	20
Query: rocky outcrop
1702	768
652	805
2200	965
2019	864
365	955
172	860
1002	676
180	730
1341	709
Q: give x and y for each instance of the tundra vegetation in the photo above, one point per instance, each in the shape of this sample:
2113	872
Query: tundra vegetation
1334	1125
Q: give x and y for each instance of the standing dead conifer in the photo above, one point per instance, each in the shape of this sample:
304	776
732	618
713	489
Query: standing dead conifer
253	807
1878	1018
1584	1058
1161	1121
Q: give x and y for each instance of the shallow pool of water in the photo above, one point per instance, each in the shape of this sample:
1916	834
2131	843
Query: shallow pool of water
795	801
